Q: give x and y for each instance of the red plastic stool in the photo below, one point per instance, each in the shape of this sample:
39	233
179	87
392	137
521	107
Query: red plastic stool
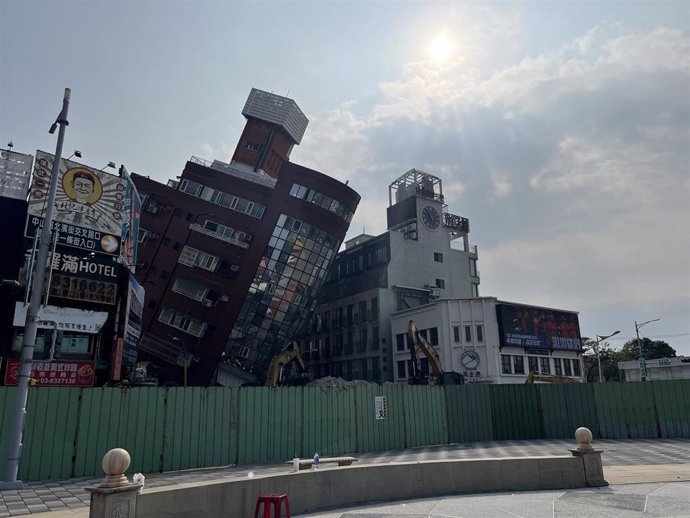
275	499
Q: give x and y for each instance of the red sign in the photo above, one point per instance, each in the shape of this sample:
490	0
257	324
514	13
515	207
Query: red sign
55	374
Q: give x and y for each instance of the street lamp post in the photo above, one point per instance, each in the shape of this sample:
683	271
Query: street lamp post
14	452
596	345
643	369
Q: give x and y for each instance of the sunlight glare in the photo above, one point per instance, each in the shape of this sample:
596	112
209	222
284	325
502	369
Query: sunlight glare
441	48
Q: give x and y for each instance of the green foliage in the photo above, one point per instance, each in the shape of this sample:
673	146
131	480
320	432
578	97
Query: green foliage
651	350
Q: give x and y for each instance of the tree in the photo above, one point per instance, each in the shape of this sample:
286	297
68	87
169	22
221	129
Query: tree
609	361
651	350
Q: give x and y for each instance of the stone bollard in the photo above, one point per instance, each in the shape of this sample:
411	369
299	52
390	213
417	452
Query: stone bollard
591	458
115	497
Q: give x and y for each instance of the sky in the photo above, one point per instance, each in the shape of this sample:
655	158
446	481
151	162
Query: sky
560	129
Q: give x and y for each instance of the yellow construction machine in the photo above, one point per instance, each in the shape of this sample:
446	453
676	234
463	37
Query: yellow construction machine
548	378
290	354
437	376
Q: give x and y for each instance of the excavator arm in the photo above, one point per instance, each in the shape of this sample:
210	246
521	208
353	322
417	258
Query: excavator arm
548	378
290	354
421	345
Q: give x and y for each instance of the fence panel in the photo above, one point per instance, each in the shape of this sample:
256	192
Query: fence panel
49	434
566	407
328	422
469	413
380	434
672	399
256	410
515	412
625	410
426	421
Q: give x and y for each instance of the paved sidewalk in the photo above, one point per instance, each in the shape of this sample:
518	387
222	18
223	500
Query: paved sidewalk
625	461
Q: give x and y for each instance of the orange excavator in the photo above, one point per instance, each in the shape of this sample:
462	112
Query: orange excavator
548	378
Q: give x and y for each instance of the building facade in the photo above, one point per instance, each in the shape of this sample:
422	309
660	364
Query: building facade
491	341
657	369
234	253
424	255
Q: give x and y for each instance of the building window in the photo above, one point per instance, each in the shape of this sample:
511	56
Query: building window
576	368
480	333
323	201
190	289
253	146
192	188
193	257
349	345
456	333
533	364
545	365
440	283
401	369
350	310
558	366
518	364
473	267
438	257
567	367
400	342
363	311
182	321
468	333
374	309
505	364
433	336
375	338
475	290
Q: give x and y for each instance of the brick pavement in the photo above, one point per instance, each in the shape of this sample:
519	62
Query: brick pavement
38	497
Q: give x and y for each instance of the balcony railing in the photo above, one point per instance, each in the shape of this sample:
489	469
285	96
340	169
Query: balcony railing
203	230
233	171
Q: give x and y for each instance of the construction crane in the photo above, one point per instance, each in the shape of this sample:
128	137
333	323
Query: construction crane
548	378
289	354
437	376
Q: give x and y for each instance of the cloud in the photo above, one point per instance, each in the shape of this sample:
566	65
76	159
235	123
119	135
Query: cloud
572	164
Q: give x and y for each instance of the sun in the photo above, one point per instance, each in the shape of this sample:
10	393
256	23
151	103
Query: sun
441	48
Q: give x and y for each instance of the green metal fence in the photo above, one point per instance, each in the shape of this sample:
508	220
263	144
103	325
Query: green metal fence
68	429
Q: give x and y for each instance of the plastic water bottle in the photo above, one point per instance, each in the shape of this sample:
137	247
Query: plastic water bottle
316	463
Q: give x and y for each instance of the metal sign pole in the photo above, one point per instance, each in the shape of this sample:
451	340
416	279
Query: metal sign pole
31	325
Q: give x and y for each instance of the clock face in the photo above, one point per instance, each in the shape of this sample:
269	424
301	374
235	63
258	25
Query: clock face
470	359
430	217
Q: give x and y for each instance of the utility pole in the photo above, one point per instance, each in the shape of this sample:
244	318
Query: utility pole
14	454
643	365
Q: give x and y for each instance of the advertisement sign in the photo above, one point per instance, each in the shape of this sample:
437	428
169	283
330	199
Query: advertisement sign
133	326
86	200
537	328
55	374
130	222
66	319
380	407
15	173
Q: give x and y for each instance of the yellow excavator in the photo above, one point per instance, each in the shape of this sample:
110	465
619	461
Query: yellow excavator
437	376
290	354
548	378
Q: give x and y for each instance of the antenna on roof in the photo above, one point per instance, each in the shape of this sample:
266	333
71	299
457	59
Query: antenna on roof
288	93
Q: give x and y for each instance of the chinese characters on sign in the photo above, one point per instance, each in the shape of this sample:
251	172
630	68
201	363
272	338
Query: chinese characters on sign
380	407
88	205
53	374
537	328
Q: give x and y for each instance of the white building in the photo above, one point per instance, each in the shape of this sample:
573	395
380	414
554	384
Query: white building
424	254
479	338
659	369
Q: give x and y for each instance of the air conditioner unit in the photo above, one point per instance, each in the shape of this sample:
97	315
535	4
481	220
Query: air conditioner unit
208	303
434	292
224	298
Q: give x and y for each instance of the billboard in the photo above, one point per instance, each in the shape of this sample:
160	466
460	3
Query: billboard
537	328
62	319
89	204
130	222
15	173
79	275
54	374
133	327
